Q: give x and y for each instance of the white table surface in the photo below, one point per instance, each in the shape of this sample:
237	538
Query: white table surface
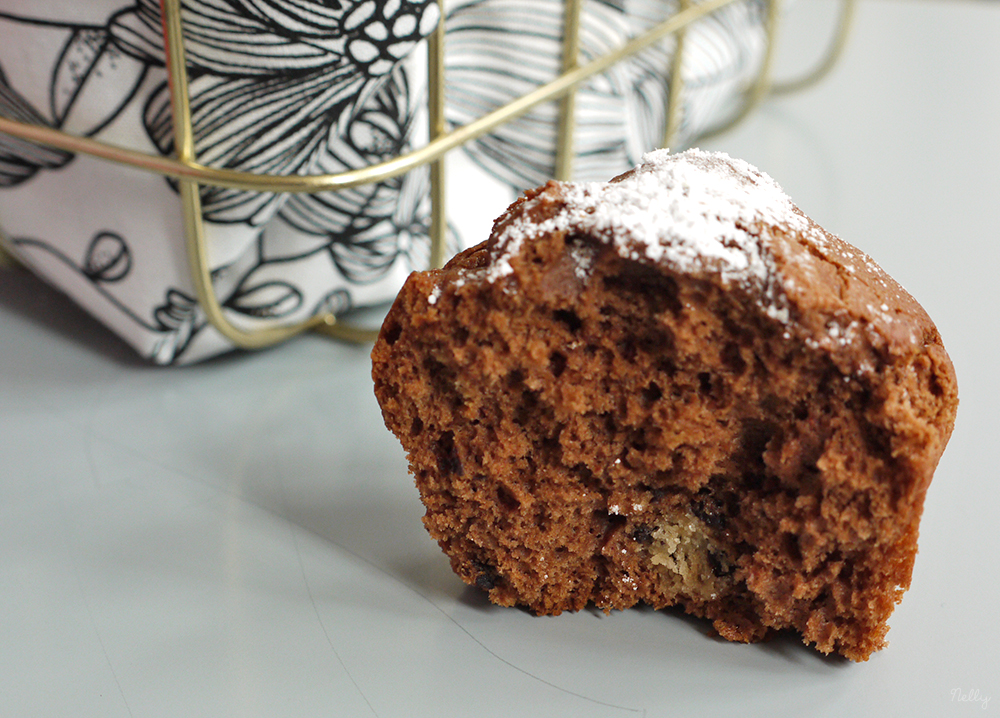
241	538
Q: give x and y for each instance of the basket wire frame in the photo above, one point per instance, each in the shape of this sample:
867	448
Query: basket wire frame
190	174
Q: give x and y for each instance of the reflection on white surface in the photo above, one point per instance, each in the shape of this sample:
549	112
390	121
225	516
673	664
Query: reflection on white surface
242	539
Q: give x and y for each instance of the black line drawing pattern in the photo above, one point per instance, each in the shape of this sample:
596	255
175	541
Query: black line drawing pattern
307	86
176	320
274	111
501	49
278	87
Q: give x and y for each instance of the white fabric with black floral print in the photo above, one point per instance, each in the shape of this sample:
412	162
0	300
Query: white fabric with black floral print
297	87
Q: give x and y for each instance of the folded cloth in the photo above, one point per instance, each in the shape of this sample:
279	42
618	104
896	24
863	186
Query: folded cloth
294	87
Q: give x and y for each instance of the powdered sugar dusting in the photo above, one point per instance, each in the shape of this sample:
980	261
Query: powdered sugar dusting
693	211
583	260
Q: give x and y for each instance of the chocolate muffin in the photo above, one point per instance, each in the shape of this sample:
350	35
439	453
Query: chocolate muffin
673	388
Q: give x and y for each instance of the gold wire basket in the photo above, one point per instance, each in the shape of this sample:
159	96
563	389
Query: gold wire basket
191	175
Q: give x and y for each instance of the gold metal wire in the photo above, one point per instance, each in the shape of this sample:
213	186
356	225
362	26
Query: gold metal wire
189	189
7	259
438	128
191	174
565	135
829	58
675	104
760	88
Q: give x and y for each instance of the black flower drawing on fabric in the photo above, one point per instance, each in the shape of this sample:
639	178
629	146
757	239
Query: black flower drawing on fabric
277	87
367	228
267	300
365	231
89	63
501	49
366	255
108	260
271	81
178	320
304	86
336	303
20	159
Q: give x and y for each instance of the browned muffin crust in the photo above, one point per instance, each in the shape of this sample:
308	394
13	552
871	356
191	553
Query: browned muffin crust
595	412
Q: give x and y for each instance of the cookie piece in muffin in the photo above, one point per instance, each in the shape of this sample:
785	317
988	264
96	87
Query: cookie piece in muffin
673	388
